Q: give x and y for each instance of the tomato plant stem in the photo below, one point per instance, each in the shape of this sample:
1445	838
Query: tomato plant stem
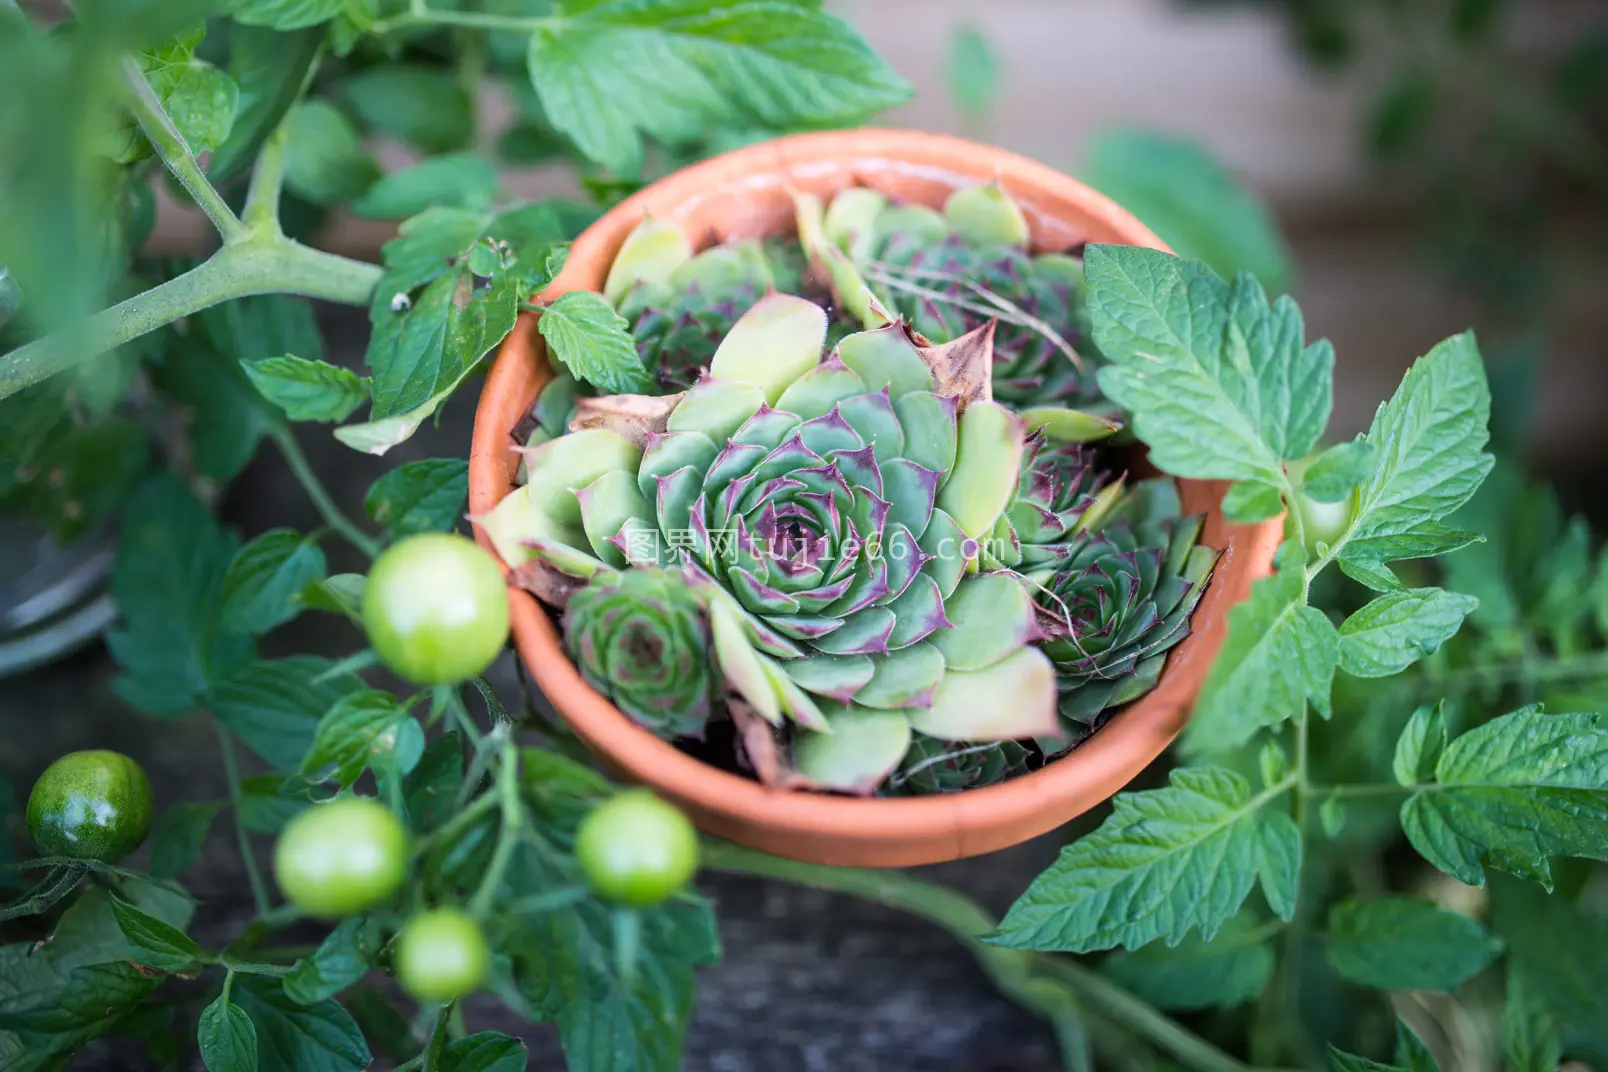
267	177
1051	986
231	770
438	1038
285	440
175	153
513	816
261	265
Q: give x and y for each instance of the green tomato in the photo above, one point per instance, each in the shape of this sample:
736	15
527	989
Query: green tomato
1321	522
636	849
436	608
441	955
340	858
93	805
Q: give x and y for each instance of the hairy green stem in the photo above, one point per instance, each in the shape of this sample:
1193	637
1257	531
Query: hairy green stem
170	146
513	820
1021	976
231	770
285	440
1527	669
267	179
262	265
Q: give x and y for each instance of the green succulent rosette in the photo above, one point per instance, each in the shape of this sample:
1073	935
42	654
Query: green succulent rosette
1064	492
949	273
832	510
934	766
1119	604
639	637
680	305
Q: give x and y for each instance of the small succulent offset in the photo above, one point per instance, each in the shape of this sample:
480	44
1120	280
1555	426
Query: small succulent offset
640	638
950	273
832	509
1118	604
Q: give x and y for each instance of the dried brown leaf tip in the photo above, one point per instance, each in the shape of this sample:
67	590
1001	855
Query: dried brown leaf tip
633	417
964	368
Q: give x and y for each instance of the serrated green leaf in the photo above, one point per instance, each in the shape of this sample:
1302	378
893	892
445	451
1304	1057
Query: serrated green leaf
1332	816
1221	384
431	788
1278	846
1280	655
1420	745
274	706
227	1039
1231	969
293	1038
1373	575
485	1051
1337	471
1427	540
339	961
177	837
90	1001
1513	792
1430	439
609	72
285	14
1529	1037
266	575
1397	629
269	68
340	594
1191	201
154	942
199	98
427	107
1167	862
352	731
325	160
458	180
1341	1061
168	580
264	808
586	336
1273	763
224	418
1557	948
1401	943
1248	502
421	496
308	390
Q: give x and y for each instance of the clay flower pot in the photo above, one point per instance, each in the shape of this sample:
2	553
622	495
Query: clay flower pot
746	194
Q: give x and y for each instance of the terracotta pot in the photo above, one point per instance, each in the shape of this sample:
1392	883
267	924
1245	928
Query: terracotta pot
745	194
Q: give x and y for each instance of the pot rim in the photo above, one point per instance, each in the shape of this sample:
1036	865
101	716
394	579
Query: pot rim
876	831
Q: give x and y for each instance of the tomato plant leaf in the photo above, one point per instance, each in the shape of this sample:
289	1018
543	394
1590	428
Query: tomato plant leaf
1402	943
1420	745
285	14
1341	1061
1557	948
274	706
177	837
340	594
155	943
265	803
1513	792
350	734
1191	201
1231	969
91	1001
224	416
609	72
269	68
308	390
431	787
485	1051
340	960
1430	438
1398	628
1279	862
227	1039
586	336
325	160
457	180
1222	385
1375	576
423	106
168	580
421	496
296	1038
1338	470
266	575
1280	655
1167	862
199	98
1529	1037
1248	502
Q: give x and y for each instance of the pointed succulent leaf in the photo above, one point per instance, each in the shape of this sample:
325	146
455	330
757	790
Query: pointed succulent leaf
651	252
917	224
987	462
930	428
864	747
903	679
744	667
818	392
886	358
772	344
993	616
1070	425
964	367
851	221
607	503
1010	700
717	408
986	216
838	677
848	286
560	466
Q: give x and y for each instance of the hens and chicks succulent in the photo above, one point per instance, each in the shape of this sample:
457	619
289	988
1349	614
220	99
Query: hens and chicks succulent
883	542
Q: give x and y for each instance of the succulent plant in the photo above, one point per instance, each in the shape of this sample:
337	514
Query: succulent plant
1063	492
832	515
639	637
680	305
949	273
1119	604
933	766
